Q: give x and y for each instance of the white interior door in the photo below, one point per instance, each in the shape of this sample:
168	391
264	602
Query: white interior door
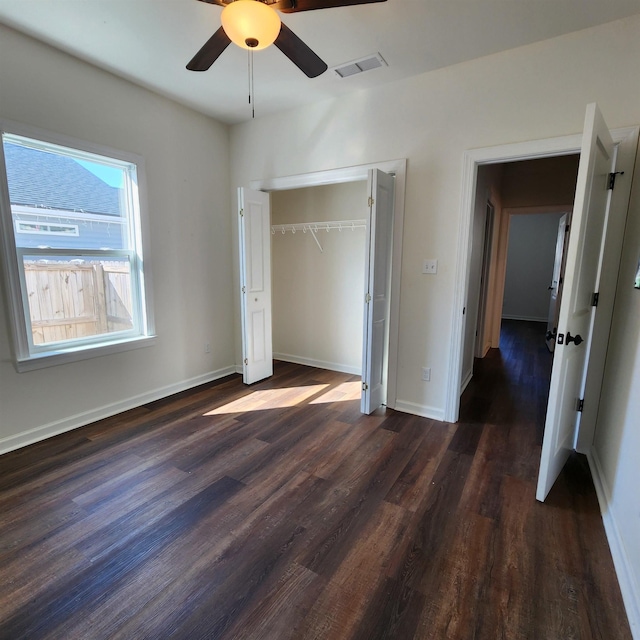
255	284
557	281
582	274
377	290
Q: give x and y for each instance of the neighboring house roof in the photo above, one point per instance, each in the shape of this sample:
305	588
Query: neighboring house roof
46	180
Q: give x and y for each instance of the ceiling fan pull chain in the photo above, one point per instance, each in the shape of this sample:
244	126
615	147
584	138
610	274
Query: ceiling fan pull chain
251	96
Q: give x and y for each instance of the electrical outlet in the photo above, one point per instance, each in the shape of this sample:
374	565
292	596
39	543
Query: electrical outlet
430	266
207	348
426	373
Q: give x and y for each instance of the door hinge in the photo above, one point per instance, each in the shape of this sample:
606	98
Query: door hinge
580	404
365	386
246	360
371	201
244	289
566	229
595	299
241	212
367	298
612	178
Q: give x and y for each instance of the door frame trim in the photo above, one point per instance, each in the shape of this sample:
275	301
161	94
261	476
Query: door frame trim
472	159
357	173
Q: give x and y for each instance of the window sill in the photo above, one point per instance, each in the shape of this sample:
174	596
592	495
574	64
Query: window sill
55	358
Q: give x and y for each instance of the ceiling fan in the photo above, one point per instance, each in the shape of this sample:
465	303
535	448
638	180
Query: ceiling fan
245	31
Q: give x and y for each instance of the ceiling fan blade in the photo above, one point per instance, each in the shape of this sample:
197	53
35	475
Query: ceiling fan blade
210	52
220	3
293	6
299	53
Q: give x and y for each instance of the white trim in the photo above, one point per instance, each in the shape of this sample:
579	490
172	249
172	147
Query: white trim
76	354
83	419
421	410
318	364
472	159
316	178
628	586
398	168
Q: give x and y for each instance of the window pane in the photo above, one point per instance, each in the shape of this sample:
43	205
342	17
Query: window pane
62	200
71	299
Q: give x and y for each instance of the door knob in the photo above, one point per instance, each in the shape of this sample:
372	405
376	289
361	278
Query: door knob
577	339
551	336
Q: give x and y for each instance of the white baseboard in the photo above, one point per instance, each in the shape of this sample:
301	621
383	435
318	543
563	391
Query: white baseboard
319	364
419	410
627	581
87	417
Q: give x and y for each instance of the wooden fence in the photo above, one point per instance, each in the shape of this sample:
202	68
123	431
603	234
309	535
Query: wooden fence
69	300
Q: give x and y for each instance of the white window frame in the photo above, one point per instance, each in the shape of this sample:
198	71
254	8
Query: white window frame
28	356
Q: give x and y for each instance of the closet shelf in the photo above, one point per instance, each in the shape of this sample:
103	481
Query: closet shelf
327	225
314	227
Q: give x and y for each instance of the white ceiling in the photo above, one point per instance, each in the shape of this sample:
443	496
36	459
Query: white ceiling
150	41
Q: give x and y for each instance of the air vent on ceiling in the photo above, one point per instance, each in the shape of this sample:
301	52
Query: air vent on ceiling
358	66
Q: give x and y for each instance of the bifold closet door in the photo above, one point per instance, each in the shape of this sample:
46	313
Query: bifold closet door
254	221
377	290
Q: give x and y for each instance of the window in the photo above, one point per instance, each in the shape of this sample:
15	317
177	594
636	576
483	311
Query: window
72	234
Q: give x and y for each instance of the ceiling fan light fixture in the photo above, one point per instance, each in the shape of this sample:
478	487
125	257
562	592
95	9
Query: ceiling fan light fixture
250	24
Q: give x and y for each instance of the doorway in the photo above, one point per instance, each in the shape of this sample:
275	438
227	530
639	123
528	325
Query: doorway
592	265
487	161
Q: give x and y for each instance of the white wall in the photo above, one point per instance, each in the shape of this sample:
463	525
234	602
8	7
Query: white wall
530	260
538	91
617	439
186	157
317	296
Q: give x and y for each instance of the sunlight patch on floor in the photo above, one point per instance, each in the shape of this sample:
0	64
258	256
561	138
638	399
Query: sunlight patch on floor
341	393
269	399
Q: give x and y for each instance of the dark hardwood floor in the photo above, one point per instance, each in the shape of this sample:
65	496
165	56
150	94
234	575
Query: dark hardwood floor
279	511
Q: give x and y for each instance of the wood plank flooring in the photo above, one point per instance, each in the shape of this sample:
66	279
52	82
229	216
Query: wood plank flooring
278	511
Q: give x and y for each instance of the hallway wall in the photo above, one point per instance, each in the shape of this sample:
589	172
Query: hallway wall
530	260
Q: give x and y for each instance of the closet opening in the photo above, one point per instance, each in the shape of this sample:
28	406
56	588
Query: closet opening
320	263
317	267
